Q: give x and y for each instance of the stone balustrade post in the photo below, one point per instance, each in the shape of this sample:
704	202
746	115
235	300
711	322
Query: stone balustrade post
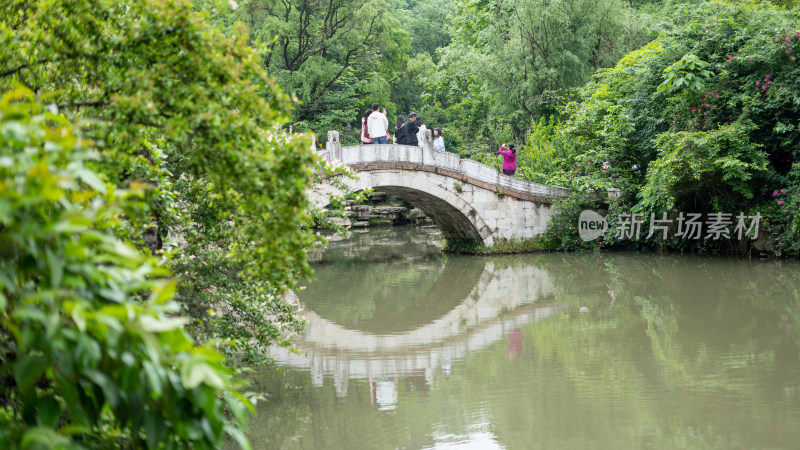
427	148
334	146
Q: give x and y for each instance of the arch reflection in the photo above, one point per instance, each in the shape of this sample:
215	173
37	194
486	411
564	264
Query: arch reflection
448	308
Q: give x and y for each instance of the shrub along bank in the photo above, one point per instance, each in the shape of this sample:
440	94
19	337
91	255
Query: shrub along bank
703	119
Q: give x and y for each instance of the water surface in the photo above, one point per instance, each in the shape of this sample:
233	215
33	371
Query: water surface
409	348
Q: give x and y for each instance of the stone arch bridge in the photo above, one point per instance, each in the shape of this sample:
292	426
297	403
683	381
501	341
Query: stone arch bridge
465	199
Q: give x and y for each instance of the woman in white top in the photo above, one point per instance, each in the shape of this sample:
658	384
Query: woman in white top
438	140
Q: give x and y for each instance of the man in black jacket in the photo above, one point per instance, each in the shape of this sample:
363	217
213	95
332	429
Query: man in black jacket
408	132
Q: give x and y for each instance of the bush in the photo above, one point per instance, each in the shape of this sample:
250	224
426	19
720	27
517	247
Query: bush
703	119
562	231
92	354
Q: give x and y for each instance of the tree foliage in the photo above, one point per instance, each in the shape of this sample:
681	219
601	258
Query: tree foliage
702	119
517	59
171	102
92	353
335	57
190	172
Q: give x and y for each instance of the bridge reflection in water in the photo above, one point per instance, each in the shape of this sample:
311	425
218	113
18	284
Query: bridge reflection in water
674	352
457	306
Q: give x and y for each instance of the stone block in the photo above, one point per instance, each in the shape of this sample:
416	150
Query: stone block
361	212
388	210
478	171
340	221
446	161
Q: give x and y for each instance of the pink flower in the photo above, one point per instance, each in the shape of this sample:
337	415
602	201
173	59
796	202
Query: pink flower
780	202
693	109
767	76
783	191
774	193
751	59
793	58
769	207
763	87
769	82
757	83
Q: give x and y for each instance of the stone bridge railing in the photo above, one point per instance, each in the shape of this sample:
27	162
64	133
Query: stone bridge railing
425	159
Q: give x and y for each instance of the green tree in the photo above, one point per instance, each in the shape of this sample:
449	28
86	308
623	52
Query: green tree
92	354
522	56
170	102
335	57
702	119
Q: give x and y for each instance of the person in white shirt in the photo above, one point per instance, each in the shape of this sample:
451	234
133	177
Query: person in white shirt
378	125
438	140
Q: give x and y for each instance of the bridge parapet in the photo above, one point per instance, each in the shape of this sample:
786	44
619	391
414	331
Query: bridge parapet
424	158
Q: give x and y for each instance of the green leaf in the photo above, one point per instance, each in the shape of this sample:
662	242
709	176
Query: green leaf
56	266
196	372
153	378
90	178
28	370
43	436
239	437
48	412
160	324
109	387
164	292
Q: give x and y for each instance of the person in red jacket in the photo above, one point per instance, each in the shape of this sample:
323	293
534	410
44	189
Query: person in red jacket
509	153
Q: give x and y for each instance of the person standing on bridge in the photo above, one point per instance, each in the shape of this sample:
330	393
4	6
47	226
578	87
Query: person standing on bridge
438	140
408	133
509	153
400	122
378	125
364	132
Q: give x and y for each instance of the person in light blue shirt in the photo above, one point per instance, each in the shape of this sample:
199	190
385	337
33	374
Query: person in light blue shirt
438	140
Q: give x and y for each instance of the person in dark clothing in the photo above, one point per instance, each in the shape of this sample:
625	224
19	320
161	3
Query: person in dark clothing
400	122
408	133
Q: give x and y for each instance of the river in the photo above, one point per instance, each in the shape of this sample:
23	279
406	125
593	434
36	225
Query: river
410	348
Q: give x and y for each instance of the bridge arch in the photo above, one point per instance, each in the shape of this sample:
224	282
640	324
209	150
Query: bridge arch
467	200
456	218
